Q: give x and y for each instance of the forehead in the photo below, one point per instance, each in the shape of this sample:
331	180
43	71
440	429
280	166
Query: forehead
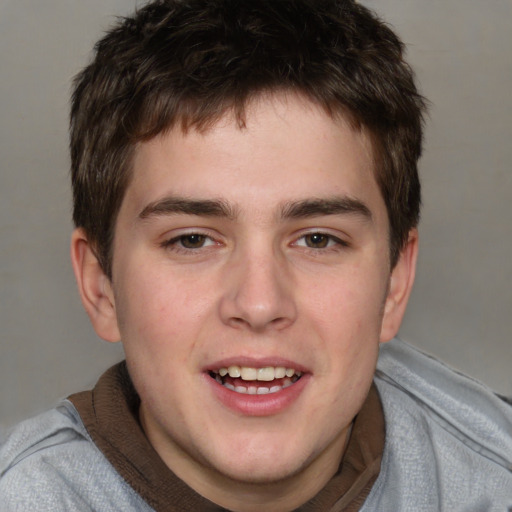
289	149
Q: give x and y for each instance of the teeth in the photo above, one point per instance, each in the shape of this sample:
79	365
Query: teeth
266	374
280	372
234	371
287	377
253	390
248	373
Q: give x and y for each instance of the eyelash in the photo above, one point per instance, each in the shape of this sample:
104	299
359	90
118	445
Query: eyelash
332	242
176	243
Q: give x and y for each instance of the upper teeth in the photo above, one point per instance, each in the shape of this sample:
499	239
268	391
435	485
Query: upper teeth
266	374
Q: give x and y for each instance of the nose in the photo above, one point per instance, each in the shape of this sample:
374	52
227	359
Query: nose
258	293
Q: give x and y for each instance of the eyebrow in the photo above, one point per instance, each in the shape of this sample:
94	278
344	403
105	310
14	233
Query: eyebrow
302	209
178	205
331	206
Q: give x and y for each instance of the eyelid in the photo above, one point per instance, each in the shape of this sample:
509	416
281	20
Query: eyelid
172	239
208	240
334	239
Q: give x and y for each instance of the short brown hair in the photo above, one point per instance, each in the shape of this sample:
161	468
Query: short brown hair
189	61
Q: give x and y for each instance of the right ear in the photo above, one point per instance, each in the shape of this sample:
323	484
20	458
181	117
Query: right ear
95	287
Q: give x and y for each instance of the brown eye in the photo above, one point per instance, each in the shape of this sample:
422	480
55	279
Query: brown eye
189	243
192	241
316	240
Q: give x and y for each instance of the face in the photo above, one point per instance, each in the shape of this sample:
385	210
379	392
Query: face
250	285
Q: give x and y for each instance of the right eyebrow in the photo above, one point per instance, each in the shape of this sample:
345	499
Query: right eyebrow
180	205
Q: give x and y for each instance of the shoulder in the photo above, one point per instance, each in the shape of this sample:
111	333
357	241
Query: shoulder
469	410
55	427
448	436
49	463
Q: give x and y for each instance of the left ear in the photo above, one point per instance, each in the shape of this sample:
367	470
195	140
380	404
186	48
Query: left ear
400	286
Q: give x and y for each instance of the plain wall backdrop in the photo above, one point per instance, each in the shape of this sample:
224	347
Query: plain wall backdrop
461	308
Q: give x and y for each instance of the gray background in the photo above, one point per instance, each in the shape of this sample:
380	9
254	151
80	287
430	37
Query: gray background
461	308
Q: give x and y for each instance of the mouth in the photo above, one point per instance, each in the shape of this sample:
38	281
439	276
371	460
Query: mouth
256	381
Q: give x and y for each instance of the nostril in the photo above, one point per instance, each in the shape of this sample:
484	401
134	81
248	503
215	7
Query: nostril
238	322
280	322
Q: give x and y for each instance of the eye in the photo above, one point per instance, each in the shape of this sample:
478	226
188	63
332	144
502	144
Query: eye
193	241
189	241
319	240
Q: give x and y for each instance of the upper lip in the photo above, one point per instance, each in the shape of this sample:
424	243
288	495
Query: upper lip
250	362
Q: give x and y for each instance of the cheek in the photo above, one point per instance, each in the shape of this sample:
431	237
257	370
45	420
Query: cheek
346	314
350	300
160	309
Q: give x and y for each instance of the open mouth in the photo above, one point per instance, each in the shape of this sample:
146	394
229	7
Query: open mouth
256	381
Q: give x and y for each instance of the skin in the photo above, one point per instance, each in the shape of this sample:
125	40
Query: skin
257	287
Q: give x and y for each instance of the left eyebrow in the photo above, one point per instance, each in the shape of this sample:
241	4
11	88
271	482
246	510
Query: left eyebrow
330	206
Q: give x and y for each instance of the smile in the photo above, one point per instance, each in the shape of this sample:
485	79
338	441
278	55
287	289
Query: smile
256	381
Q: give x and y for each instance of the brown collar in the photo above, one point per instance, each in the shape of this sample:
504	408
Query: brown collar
110	415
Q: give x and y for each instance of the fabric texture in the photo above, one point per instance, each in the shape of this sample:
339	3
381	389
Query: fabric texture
448	438
448	447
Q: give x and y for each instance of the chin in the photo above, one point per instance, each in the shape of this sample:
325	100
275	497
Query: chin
260	466
260	473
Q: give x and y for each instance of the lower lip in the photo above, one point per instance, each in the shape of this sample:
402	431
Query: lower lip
258	405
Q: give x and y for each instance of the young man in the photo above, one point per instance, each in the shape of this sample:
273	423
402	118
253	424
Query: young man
246	200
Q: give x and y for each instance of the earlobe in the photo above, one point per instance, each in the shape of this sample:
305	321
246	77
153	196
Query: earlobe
95	287
400	287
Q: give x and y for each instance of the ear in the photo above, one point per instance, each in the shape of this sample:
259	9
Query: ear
400	286
95	287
